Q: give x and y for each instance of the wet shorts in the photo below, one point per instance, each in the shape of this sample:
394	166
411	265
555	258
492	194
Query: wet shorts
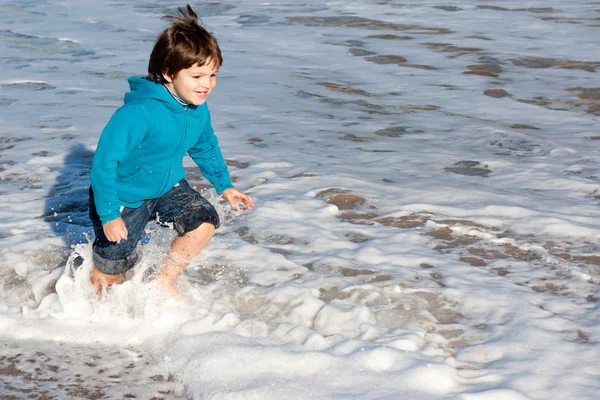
181	208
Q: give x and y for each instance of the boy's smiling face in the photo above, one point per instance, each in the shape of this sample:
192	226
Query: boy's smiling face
195	83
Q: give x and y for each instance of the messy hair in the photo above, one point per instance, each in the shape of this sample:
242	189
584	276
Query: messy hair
183	44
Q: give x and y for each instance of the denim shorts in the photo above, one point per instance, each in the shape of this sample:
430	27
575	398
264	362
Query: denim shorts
181	208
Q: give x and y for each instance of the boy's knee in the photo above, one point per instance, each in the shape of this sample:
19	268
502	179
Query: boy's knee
205	231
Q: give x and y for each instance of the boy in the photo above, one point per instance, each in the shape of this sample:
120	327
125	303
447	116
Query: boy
137	172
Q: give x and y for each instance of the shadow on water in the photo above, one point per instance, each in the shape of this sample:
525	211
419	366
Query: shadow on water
66	208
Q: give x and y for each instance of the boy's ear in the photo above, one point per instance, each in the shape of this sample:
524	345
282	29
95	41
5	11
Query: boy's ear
167	77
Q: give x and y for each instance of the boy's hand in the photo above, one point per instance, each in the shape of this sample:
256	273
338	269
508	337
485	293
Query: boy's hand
234	196
115	230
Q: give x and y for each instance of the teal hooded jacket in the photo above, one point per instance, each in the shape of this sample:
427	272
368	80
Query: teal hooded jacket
140	151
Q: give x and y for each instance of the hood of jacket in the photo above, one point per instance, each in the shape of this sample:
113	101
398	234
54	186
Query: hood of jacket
142	89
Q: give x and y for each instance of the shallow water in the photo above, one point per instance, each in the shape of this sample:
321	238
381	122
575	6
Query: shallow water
427	187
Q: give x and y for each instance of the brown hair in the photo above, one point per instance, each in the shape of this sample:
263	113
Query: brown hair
181	45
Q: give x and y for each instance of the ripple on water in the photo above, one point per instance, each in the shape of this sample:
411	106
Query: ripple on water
477	37
344	88
469	168
353	138
491	70
392	131
203	9
448	8
365	23
545	62
212	9
356	105
496	93
14	10
110	74
360	52
405	221
389	37
49	45
237	164
253	19
150	7
7	163
529	9
31	86
449	48
386	59
345	201
7	102
103	26
586	93
561	20
587	101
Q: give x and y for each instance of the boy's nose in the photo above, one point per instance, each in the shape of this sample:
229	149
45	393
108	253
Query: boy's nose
206	83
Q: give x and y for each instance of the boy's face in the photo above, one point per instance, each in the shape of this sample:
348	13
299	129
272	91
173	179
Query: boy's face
195	83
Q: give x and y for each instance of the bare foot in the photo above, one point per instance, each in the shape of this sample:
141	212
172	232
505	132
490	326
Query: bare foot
101	280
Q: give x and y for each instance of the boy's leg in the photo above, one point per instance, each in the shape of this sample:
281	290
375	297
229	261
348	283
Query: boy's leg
183	250
194	219
112	260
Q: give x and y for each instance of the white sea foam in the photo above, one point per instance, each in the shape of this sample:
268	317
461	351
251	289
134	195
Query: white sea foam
414	237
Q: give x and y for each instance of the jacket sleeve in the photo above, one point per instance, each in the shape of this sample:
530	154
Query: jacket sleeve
207	155
125	130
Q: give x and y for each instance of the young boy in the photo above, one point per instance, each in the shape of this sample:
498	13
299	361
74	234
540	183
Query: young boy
137	172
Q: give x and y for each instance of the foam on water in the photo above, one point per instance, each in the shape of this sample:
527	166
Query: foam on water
426	180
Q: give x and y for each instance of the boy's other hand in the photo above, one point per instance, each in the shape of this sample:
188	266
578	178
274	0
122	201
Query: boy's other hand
115	230
234	197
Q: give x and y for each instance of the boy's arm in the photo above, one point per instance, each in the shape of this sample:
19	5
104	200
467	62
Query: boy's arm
207	155
125	130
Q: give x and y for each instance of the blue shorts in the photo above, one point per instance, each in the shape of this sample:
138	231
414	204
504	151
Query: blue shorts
182	208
